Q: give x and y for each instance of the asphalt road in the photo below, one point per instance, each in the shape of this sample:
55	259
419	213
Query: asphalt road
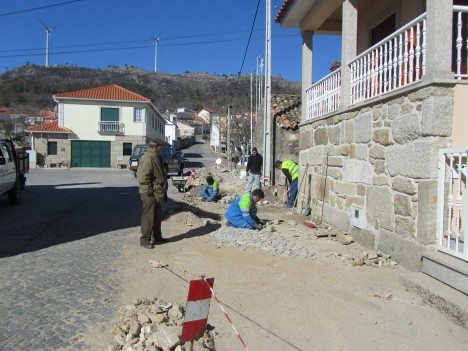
60	250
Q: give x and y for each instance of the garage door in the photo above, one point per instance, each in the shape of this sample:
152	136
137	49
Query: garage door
90	153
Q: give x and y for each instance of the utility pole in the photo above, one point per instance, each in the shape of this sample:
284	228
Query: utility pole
267	139
251	112
228	141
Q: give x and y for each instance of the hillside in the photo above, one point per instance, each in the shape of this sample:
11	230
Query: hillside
32	87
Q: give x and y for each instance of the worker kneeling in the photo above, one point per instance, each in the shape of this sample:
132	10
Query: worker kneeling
210	189
243	212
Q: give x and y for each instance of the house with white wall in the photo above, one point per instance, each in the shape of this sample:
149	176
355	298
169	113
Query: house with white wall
383	137
185	130
97	127
172	134
215	138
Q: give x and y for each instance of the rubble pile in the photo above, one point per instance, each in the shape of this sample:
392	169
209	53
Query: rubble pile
154	326
373	259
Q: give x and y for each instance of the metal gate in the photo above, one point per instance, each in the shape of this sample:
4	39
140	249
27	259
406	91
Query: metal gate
452	203
94	154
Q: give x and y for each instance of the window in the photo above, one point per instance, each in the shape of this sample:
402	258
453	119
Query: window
6	156
51	148
138	115
109	114
127	149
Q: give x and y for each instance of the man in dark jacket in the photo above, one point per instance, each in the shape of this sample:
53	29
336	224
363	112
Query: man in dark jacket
254	170
152	189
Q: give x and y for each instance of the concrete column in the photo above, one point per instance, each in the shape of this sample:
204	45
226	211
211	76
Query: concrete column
307	37
439	39
348	47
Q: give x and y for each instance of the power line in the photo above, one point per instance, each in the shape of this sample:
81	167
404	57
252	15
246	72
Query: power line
39	8
127	47
134	41
250	37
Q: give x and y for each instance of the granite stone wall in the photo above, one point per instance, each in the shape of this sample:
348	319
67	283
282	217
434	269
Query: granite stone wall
380	164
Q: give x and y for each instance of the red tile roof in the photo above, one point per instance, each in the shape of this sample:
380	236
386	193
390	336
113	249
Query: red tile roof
283	10
108	92
200	119
46	114
49	127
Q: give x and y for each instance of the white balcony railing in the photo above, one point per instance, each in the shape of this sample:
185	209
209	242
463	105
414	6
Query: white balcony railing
324	96
452	211
396	61
461	42
111	127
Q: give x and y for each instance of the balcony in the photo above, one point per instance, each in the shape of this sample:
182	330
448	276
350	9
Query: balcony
112	128
395	62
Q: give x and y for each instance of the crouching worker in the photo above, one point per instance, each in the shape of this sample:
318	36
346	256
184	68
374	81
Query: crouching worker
210	189
243	212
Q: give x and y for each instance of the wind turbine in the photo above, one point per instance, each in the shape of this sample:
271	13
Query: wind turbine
48	31
156	45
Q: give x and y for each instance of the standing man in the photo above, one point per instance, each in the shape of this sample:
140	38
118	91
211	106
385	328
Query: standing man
243	211
291	172
254	170
153	187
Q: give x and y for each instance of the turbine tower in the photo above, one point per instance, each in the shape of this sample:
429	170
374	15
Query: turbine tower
156	45
48	32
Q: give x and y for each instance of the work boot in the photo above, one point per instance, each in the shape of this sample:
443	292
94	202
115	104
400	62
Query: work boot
147	245
158	241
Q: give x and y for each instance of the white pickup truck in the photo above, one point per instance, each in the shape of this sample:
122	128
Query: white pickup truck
13	168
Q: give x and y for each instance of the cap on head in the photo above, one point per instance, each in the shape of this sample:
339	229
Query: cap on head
156	142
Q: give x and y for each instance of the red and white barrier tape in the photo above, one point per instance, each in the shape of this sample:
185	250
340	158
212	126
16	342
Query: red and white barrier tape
389	296
158	264
225	313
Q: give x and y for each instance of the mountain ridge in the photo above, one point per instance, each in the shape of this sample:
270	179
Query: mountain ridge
32	87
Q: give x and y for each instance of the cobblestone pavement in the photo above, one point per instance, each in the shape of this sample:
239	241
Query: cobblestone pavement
59	278
52	297
271	242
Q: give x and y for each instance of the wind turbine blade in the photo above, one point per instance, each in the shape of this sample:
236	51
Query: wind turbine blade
47	28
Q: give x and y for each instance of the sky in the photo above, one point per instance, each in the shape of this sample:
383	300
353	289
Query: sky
194	36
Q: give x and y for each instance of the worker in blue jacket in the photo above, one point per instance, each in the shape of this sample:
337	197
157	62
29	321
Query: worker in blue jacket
210	189
243	211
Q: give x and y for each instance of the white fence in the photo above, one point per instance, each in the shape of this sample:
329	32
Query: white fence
461	41
324	96
111	127
394	62
452	202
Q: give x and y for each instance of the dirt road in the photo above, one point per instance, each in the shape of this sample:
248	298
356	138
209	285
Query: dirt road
278	299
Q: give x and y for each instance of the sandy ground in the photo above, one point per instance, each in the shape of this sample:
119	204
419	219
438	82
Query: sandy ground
285	303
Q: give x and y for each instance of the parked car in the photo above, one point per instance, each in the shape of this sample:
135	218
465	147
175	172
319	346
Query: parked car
14	164
173	161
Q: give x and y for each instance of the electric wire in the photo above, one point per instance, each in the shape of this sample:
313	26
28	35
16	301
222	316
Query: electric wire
39	8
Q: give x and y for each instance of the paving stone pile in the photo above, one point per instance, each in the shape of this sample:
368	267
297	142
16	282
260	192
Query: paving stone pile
267	240
154	325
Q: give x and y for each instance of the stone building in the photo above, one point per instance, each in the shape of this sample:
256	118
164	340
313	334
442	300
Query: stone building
375	131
